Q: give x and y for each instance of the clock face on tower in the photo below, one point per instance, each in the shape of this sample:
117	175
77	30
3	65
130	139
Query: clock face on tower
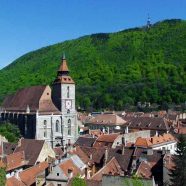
68	104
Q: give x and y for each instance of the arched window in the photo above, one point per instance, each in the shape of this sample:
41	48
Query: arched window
45	128
69	127
57	126
68	89
68	111
45	123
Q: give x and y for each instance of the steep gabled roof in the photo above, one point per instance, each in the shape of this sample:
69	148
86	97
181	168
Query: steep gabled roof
15	160
124	159
105	140
36	98
81	154
13	181
106	119
24	97
150	123
155	140
31	148
144	170
68	164
85	141
111	168
8	148
28	176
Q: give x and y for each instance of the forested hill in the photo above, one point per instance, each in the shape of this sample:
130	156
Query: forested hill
112	69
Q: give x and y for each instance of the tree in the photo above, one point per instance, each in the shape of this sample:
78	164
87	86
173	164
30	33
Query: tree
10	131
178	174
76	181
2	176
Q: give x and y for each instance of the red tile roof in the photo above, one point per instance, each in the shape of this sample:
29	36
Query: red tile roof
111	168
81	154
24	97
149	142
28	176
108	137
15	160
67	165
107	119
31	148
105	140
13	181
31	97
59	153
144	170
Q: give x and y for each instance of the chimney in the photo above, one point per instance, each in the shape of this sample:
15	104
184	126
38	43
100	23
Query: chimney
127	130
70	173
90	156
106	155
86	173
123	150
123	141
156	133
149	152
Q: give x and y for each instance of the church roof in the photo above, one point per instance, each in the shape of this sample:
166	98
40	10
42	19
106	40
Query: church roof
64	80
63	74
63	67
30	97
26	96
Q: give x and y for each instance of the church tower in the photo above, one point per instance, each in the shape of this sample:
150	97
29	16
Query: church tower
63	93
63	96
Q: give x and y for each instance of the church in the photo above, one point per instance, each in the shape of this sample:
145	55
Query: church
45	113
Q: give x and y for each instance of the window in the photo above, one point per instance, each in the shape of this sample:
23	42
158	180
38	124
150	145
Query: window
57	174
68	92
68	111
59	184
57	126
45	123
26	128
45	133
69	127
45	128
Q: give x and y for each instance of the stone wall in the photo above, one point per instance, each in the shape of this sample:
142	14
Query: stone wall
131	137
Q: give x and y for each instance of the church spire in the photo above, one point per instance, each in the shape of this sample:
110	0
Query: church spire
63	69
63	76
148	22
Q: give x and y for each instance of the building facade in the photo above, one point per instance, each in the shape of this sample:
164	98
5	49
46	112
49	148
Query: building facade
44	113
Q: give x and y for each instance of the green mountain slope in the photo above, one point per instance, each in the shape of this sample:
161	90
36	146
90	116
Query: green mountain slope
113	69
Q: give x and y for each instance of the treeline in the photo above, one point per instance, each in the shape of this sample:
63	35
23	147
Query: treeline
112	70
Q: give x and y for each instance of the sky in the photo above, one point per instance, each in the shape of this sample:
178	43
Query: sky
27	25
